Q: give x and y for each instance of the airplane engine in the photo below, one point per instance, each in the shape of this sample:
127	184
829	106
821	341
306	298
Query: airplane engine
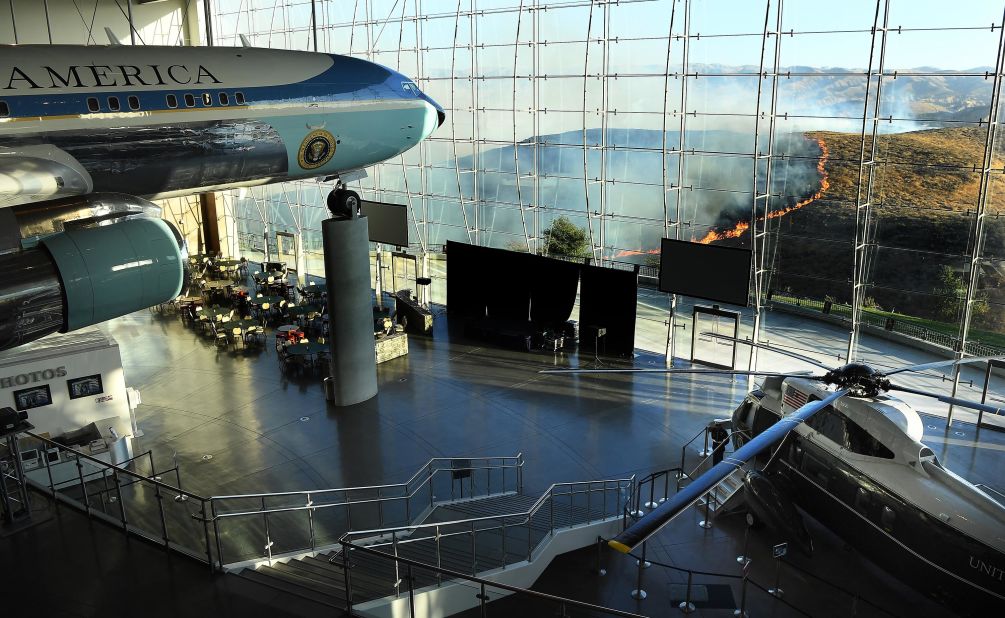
773	506
85	275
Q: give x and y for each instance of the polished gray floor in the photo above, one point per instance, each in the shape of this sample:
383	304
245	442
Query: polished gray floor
453	397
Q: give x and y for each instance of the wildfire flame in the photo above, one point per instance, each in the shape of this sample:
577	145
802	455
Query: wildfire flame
740	228
743	226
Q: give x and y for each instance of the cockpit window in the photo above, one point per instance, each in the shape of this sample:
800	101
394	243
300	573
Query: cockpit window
411	88
847	433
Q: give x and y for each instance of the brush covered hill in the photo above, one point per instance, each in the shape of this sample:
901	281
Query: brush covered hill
925	189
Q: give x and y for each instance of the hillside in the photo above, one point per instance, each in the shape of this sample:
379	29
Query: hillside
919	224
931	169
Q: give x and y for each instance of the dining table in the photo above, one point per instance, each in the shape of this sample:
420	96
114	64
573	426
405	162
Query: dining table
261	300
306	349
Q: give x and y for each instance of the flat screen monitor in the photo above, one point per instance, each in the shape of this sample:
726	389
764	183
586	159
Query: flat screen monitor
710	272
387	223
29	455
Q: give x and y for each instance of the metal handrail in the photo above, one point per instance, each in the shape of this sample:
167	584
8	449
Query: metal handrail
344	498
312	494
426	467
347	545
118	469
527	515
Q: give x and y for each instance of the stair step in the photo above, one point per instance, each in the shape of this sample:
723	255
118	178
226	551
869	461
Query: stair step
284	586
282	572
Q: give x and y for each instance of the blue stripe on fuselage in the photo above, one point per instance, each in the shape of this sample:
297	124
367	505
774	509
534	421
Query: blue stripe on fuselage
348	79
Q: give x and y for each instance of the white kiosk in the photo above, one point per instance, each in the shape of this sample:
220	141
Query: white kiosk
74	391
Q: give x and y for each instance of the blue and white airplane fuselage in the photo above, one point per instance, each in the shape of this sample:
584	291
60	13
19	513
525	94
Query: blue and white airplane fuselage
162	122
88	132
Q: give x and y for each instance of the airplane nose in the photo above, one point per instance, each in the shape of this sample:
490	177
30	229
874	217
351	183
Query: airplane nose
442	116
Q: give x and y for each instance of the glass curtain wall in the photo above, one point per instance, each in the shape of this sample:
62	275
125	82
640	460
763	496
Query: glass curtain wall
853	147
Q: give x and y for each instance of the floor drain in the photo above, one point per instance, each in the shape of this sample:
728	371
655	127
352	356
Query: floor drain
403	379
207	457
304	419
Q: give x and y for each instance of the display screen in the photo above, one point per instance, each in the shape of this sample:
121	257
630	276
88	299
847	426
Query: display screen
705	271
387	223
85	386
34	397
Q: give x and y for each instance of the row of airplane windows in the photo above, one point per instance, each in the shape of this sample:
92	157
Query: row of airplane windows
114	104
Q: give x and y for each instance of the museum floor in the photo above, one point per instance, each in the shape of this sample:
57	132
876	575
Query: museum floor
452	397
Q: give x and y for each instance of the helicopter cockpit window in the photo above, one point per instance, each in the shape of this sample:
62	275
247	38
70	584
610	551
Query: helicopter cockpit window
845	432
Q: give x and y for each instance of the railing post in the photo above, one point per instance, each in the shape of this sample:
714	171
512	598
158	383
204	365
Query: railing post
160	509
205	532
439	574
429	482
638	594
348	513
310	521
652	489
474	550
380	510
118	498
519	474
551	502
83	487
48	470
666	486
483	598
216	532
268	535
346	578
411	591
503	544
707	523
397	567
686	605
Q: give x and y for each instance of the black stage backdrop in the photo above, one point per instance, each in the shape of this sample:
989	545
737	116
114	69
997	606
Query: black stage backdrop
607	298
465	286
508	289
553	286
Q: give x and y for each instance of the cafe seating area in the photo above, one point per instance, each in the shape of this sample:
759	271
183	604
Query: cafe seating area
241	306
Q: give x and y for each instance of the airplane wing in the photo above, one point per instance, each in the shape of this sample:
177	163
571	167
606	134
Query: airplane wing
650	524
38	173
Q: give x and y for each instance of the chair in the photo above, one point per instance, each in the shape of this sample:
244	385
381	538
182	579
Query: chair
219	336
236	334
254	334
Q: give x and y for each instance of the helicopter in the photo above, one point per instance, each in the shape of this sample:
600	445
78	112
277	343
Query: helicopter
848	454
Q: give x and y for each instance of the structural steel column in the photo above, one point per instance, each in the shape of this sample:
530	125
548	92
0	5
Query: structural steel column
675	221
977	234
867	169
759	234
352	374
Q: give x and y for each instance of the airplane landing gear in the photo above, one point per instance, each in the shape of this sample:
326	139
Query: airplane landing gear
343	203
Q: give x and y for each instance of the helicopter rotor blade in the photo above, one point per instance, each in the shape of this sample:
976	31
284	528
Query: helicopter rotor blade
736	372
770	348
650	524
956	401
947	363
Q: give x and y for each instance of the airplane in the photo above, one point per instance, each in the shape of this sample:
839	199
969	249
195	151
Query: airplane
89	134
851	456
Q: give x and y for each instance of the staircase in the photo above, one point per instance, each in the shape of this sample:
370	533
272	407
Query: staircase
723	492
510	538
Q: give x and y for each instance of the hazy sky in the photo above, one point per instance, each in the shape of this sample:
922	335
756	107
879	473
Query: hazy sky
953	49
